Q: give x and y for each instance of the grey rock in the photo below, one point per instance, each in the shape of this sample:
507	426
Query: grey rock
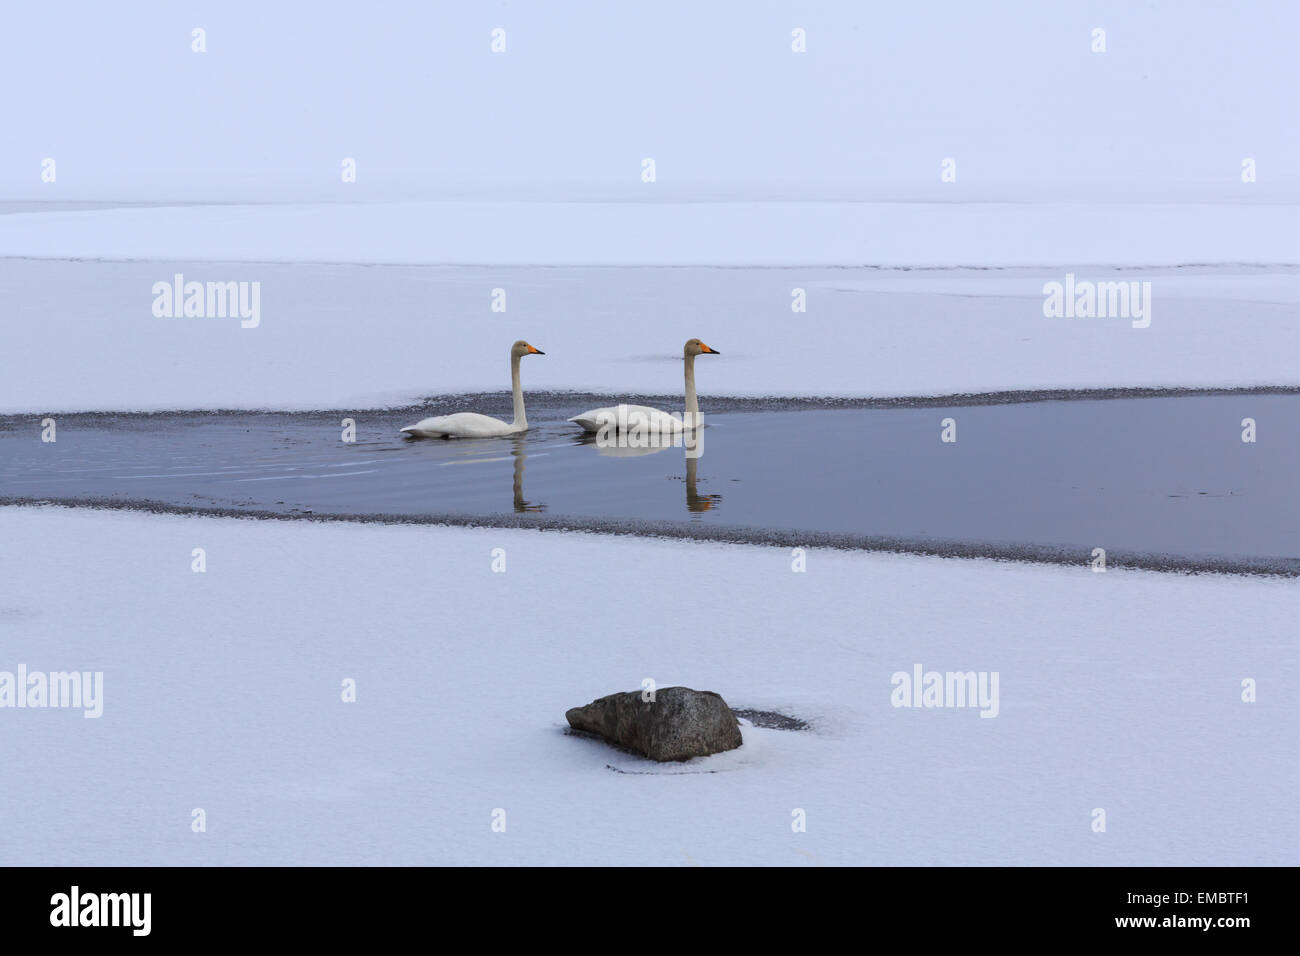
678	724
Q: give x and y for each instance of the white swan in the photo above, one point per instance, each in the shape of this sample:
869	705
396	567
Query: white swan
474	425
621	417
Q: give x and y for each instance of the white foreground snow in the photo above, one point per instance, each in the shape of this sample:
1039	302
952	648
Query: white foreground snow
1118	691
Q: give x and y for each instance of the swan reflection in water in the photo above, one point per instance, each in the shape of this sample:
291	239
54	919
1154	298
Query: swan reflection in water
471	453
520	456
696	503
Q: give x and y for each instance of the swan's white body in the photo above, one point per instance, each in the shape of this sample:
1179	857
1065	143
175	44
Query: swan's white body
620	418
625	417
474	425
464	425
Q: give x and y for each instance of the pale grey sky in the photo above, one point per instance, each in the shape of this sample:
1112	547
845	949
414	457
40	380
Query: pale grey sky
711	91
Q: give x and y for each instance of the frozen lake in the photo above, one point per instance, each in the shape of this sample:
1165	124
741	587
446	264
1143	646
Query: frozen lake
1161	482
84	336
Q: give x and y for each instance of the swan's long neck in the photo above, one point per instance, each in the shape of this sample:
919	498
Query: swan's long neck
692	403
521	420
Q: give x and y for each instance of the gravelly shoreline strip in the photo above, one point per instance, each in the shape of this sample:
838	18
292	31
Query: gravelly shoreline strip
716	403
773	537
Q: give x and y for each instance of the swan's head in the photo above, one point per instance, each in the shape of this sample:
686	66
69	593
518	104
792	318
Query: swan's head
522	348
696	347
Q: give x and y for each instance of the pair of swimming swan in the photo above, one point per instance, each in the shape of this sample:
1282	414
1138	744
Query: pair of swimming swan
474	425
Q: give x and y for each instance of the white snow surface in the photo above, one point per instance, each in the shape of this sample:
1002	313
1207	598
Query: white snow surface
668	233
82	335
1119	691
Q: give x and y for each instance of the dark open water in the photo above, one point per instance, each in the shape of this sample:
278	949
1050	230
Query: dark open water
1158	482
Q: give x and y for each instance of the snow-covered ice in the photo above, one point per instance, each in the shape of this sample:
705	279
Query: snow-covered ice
669	233
82	335
1119	691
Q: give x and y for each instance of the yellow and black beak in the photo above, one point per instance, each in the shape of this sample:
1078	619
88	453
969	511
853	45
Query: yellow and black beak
533	351
708	351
